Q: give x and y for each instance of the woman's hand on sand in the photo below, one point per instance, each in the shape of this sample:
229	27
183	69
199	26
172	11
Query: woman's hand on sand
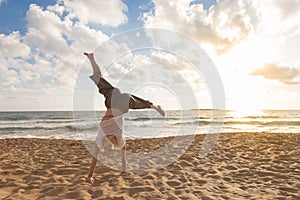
90	180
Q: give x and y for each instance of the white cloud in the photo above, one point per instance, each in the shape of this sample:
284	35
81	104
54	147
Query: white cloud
56	9
111	50
169	60
47	57
42	65
60	44
84	38
159	66
29	76
3	1
12	89
16	63
228	23
45	31
224	25
63	82
288	9
110	13
61	37
12	45
277	17
9	77
277	71
116	71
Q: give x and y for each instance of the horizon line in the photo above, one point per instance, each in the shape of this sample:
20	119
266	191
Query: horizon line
289	109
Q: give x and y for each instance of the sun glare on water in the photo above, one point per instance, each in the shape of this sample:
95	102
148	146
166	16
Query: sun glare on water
244	112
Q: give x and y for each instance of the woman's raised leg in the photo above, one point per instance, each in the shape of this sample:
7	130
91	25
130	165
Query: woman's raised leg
95	66
159	110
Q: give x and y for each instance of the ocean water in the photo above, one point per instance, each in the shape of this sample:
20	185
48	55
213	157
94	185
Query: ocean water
82	125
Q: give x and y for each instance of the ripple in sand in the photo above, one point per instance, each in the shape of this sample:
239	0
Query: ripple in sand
64	171
96	194
230	167
18	172
173	183
135	190
201	182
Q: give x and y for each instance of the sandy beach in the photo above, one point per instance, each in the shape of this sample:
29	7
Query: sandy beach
240	166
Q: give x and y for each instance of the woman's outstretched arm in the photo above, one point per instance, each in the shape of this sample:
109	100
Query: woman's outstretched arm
95	66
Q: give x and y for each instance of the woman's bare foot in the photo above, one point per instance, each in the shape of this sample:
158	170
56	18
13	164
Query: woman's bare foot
89	55
125	173
159	110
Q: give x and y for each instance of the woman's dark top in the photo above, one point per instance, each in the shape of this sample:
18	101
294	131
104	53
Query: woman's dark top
115	99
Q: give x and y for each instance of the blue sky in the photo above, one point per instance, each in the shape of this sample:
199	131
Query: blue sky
15	12
253	44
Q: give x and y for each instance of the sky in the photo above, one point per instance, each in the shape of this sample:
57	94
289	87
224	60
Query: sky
254	46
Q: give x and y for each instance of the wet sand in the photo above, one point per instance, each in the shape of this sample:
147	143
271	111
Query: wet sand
240	166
